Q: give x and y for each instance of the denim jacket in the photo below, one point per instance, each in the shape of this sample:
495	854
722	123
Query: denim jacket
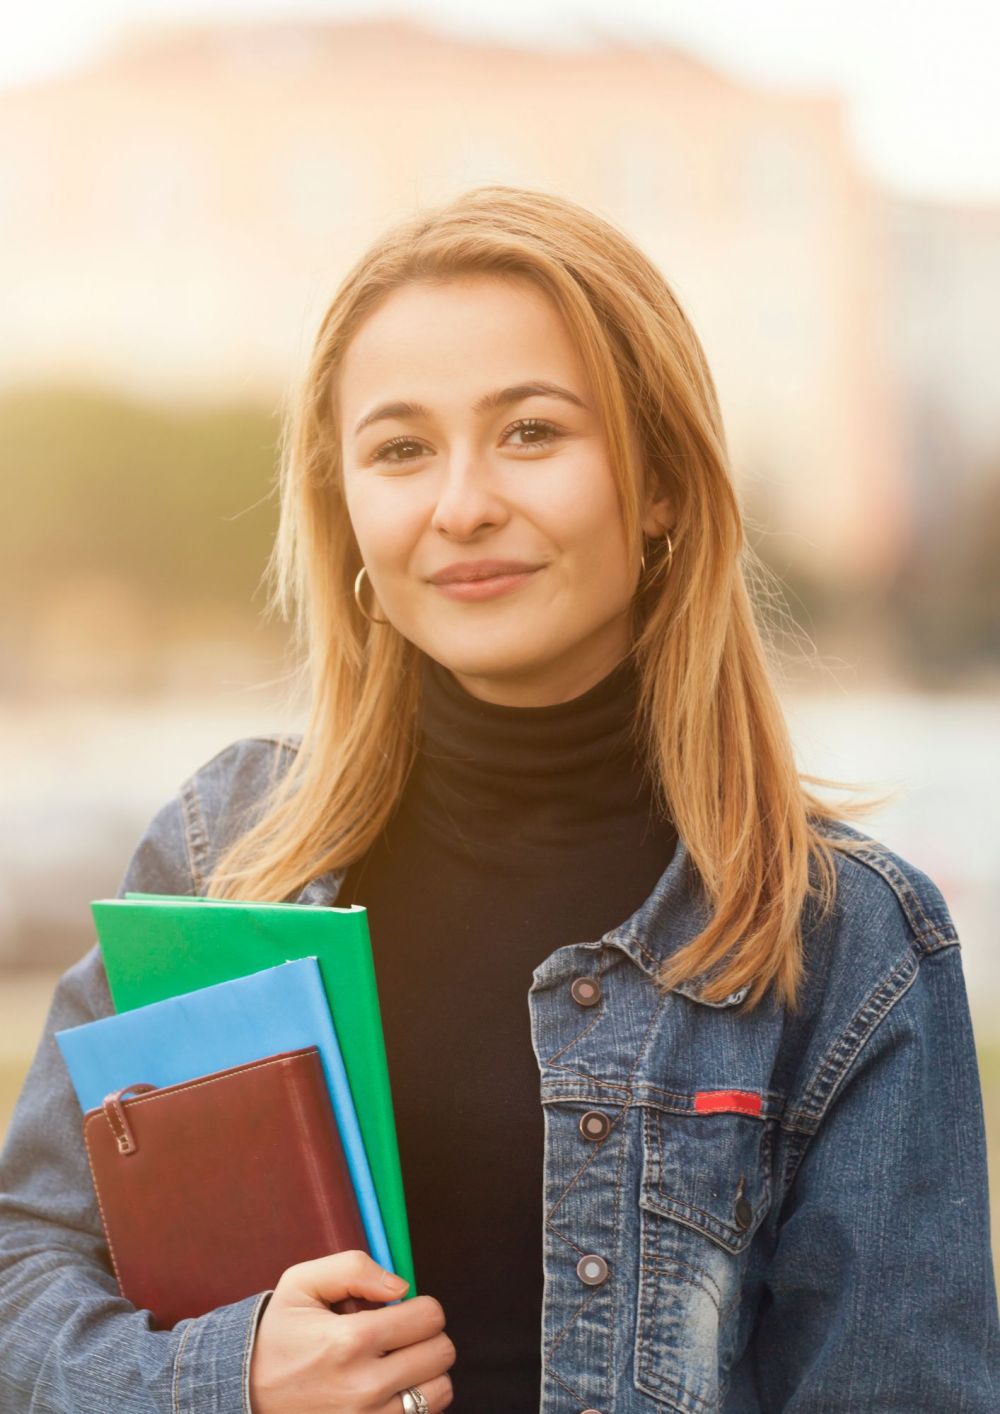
741	1212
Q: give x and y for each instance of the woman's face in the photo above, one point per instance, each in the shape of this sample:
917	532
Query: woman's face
463	460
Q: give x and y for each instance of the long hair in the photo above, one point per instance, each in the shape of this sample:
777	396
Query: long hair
709	720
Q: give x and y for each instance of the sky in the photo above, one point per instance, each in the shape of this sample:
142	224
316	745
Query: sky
920	78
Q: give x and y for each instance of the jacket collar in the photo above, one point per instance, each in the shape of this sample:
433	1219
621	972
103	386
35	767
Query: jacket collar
673	914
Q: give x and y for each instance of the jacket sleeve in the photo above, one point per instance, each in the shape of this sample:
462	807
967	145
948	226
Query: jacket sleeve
880	1294
68	1340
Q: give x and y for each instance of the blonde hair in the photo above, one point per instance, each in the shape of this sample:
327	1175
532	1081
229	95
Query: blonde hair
709	719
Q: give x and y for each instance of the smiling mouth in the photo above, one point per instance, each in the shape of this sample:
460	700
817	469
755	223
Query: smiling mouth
486	569
485	586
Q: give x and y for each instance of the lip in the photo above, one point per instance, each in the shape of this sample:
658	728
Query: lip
483	586
462	571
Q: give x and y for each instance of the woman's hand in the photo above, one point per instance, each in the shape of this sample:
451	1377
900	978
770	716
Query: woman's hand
308	1359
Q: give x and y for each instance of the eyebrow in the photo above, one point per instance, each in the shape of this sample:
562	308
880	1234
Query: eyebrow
500	397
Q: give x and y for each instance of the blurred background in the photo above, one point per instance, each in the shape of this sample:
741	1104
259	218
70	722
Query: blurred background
182	187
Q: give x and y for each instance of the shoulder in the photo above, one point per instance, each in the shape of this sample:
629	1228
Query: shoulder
871	967
907	900
240	772
211	806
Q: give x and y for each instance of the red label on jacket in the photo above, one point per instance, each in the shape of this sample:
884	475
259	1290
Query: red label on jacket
745	1102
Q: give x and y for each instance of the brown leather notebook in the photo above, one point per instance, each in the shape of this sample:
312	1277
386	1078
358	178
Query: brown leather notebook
209	1189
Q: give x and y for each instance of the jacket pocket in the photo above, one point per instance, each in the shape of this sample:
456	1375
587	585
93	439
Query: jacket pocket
705	1188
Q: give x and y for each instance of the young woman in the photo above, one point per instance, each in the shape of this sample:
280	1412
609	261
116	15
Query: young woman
684	1077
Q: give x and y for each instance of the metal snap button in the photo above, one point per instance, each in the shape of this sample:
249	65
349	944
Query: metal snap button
742	1208
592	1269
594	1124
586	991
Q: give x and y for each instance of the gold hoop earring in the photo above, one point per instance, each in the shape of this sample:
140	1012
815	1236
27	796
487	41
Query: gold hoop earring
357	597
667	562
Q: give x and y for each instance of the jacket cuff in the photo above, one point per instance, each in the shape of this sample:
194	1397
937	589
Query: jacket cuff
212	1365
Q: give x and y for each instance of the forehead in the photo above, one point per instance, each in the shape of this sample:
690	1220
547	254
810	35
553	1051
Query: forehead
454	339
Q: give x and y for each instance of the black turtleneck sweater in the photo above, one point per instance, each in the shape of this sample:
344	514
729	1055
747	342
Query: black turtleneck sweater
520	829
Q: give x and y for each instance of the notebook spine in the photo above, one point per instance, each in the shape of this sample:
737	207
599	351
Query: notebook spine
320	1193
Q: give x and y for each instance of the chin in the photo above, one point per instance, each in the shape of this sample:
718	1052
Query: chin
486	660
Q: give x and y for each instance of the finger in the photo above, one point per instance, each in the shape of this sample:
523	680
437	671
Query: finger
397	1327
428	1360
323	1281
438	1392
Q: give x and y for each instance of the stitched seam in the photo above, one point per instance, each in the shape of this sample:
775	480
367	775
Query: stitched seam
551	1060
551	1227
654	1020
582	1075
679	1392
292	742
656	1265
562	1334
248	1348
195	828
644	1368
601	969
143	1099
733	1244
116	1120
97	1195
907	895
669	1094
175	1385
654	1017
618	1121
622	1148
160	1094
637	941
658	1262
556	1096
940	940
772	1101
552	1374
793	1156
703	1229
820	1090
195	835
580	1172
691	1208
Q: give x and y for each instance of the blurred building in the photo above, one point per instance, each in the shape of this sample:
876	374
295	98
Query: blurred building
945	281
176	218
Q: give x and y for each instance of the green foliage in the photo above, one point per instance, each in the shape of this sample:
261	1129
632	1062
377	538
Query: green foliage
948	593
178	503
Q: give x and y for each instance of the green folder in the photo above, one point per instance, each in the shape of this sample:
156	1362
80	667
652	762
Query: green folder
157	946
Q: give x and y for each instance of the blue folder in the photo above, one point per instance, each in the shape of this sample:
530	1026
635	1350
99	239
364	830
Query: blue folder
196	1033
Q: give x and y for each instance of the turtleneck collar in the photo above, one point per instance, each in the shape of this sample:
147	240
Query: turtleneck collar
550	771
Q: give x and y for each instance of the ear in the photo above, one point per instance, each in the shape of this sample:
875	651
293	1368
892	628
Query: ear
659	516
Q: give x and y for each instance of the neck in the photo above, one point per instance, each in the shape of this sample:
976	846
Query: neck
553	766
560	681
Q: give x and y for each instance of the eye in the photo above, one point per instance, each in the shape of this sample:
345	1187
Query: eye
533	425
381	454
541	434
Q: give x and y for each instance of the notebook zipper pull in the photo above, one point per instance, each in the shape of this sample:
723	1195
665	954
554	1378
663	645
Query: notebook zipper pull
114	1111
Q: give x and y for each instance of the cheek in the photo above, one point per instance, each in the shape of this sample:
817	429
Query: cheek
587	520
384	524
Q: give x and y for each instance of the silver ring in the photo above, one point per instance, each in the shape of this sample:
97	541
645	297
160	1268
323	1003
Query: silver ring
414	1401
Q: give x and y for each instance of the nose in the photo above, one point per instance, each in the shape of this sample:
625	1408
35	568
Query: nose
467	499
